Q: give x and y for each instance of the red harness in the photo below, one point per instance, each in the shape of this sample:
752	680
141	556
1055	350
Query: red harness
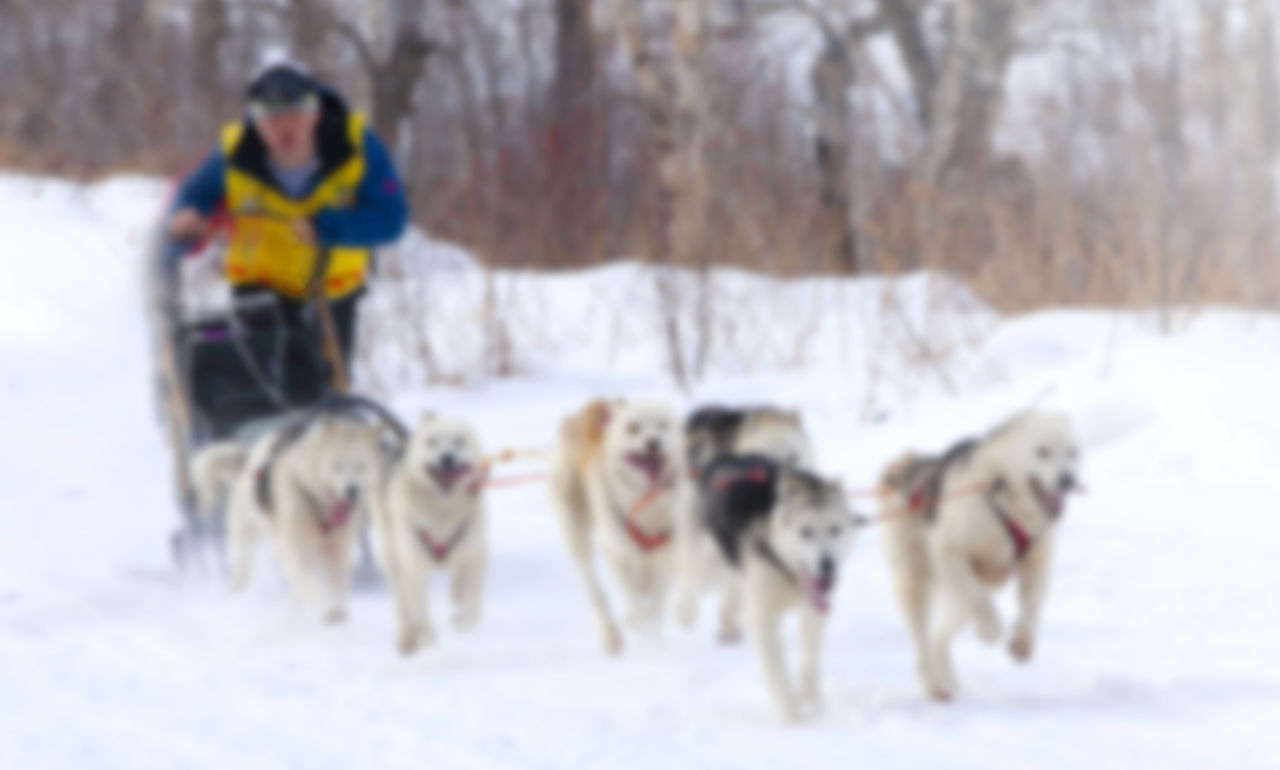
646	541
1022	540
441	551
755	474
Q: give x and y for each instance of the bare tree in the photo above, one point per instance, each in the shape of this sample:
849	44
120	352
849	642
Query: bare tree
969	93
575	49
209	28
393	75
676	95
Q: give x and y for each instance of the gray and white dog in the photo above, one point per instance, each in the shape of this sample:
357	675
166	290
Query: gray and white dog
960	525
307	487
785	533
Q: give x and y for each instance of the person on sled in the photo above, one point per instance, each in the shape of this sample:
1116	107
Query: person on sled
300	174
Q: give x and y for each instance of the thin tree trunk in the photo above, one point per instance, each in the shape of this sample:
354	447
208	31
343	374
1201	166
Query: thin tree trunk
970	93
209	28
904	22
831	78
686	168
575	55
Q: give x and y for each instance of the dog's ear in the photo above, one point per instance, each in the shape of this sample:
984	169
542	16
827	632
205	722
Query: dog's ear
795	417
595	418
835	490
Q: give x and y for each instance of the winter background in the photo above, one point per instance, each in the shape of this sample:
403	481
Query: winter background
1136	292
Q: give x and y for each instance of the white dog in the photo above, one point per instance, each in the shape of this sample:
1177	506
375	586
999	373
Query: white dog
712	433
613	484
960	525
786	532
430	517
304	486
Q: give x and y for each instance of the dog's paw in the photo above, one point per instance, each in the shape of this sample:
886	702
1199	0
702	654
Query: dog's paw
790	713
409	641
687	613
611	640
988	626
335	617
939	692
1022	646
465	620
729	635
810	696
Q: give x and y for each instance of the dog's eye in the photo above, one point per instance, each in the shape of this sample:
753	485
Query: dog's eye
633	428
1044	452
835	530
807	533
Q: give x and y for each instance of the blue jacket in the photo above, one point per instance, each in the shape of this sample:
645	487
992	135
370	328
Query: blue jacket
378	217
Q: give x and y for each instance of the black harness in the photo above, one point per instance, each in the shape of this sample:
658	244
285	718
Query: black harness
923	480
262	486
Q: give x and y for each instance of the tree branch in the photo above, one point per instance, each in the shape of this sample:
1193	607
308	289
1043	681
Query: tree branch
352	35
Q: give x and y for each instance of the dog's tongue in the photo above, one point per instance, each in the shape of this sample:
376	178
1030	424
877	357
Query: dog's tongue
651	463
817	591
1052	501
448	477
340	511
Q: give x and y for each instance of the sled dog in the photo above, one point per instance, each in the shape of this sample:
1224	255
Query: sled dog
961	524
305	487
785	532
614	480
430	517
711	433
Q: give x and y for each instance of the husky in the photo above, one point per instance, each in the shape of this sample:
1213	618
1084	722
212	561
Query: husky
785	532
306	486
430	517
960	525
710	433
614	480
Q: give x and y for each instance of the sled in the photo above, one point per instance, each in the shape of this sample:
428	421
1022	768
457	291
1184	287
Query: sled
234	373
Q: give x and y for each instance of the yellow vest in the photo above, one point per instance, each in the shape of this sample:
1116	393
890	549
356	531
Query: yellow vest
263	251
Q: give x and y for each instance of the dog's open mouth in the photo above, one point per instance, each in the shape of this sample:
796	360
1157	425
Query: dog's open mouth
651	463
448	476
340	512
1053	501
817	589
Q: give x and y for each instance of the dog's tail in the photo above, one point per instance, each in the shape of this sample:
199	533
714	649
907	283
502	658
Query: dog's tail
897	475
213	469
902	536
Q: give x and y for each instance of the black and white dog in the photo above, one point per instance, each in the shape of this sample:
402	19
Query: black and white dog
711	433
785	532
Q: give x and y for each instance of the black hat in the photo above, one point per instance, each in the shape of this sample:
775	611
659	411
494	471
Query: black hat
281	88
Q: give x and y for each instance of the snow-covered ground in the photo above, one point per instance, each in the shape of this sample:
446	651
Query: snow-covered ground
1161	644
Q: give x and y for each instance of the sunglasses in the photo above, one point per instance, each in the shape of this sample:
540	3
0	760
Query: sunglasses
260	109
